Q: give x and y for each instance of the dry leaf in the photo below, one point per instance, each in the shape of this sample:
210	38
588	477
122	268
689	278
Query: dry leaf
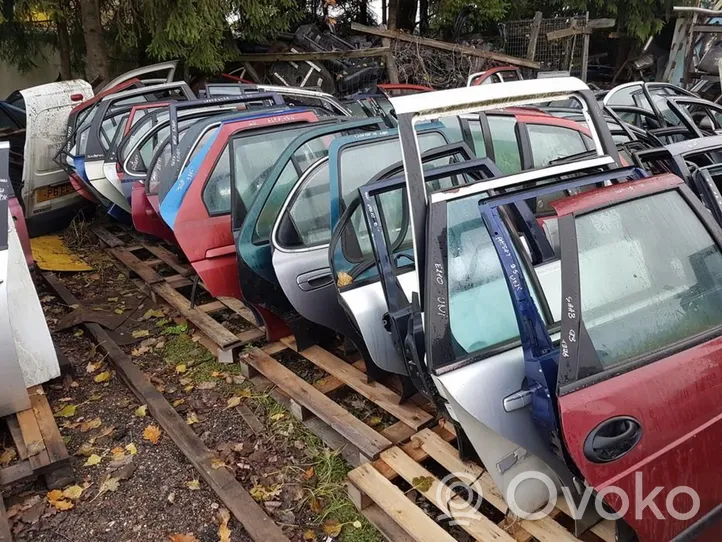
94	459
118	454
152	313
188	537
62	504
315	504
86	449
278	416
92	367
141	411
73	492
119	311
233	402
262	493
374	421
68	411
131	449
106	431
55	495
178	402
217	463
193	485
139	333
102	377
90	424
152	433
309	535
180	368
309	473
332	528
343	279
139	351
108	484
192	418
7	456
224	533
185	381
422	483
245	393
209	385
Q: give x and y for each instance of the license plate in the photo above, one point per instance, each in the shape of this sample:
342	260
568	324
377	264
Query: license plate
52	192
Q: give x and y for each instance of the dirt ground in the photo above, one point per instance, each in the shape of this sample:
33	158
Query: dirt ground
131	482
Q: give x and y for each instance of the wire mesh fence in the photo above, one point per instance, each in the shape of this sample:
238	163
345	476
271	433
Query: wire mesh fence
560	54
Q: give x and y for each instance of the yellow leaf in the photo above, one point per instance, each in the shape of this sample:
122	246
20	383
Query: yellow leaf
233	402
92	367
180	368
112	299
55	495
244	393
78	332
192	418
62	504
262	493
7	456
86	449
193	485
138	333
119	311
131	449
178	402
309	473
68	411
332	528
357	524
315	504
309	535
73	492
152	433
94	459
224	533
102	377
278	416
151	313
188	537
422	483
141	411
217	463
90	424
374	421
343	279
108	484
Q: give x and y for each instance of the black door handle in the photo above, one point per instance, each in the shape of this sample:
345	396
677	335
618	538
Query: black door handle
612	439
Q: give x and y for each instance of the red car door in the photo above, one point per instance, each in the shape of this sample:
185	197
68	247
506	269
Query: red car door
640	372
203	223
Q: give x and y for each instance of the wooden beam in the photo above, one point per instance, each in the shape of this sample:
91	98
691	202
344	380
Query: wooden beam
312	56
585	52
254	520
444	46
593	24
534	36
5	535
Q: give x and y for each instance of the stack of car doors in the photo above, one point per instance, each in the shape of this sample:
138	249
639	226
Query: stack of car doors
567	319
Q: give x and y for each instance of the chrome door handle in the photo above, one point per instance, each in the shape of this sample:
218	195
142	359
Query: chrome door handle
517	400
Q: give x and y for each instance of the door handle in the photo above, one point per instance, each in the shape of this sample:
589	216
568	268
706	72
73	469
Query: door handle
517	400
612	439
314	279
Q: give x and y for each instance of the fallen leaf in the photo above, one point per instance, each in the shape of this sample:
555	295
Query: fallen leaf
55	495
118	454
102	377
180	368
185	381
263	493
343	279
193	485
7	456
208	385
112	299
68	411
90	424
152	313
357	524
245	393
141	411
171	497
152	433
131	449
86	449
233	402
192	418
139	351
309	473
332	528
119	311
374	421
277	417
62	504
108	484
139	333
188	537
78	332
92	367
224	533
315	504
106	431
178	402
95	397
309	535
422	483
94	459
73	492
217	463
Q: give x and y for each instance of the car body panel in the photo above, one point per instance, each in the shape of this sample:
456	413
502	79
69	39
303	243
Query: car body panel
168	67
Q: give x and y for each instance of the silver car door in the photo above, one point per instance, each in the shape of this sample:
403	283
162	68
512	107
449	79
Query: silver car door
165	72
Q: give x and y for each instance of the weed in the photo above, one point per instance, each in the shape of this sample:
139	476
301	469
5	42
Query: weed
182	349
180	329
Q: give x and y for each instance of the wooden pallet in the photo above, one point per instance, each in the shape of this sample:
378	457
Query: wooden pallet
372	486
310	403
40	448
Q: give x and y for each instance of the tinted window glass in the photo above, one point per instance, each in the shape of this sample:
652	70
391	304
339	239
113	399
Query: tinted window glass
650	276
552	142
217	192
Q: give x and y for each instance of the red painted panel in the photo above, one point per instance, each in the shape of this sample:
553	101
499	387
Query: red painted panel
677	402
145	219
80	188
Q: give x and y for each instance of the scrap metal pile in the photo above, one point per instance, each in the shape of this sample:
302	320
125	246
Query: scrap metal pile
542	262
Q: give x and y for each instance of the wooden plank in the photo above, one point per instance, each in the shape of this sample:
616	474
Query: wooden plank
354	430
398	432
377	393
177	281
251	419
48	428
215	331
312	56
17	436
330	384
168	258
397	506
16	472
534	36
254	520
239	308
385	525
414	450
5	535
605	22
106	237
274	348
33	438
472	521
213	306
544	530
137	266
436	44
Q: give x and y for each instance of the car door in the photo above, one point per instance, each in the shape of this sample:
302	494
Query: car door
254	218
164	73
639	403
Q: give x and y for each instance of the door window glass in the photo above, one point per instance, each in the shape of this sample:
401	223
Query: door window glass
477	136
217	192
624	96
549	143
506	145
650	276
310	211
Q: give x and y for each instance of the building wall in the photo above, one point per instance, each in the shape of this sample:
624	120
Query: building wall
47	71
